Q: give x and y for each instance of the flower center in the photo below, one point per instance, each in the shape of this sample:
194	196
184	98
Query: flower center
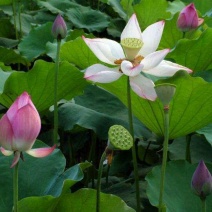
136	61
131	47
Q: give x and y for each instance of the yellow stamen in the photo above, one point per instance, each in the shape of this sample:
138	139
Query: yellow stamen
137	60
118	62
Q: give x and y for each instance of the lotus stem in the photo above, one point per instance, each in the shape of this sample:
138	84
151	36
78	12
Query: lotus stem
15	188
203	204
103	157
14	16
165	152
135	164
184	34
55	91
188	152
19	18
107	175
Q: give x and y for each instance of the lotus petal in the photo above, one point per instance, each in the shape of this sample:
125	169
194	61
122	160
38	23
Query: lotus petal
143	87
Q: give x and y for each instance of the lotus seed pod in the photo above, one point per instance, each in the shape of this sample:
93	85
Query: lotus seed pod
119	138
165	92
131	47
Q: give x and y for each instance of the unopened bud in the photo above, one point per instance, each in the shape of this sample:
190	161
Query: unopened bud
59	29
188	18
201	182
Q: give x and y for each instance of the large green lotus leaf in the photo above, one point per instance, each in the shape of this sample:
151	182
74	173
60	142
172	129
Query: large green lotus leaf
8	43
199	149
171	34
6	28
51	48
116	26
148	13
118	8
10	56
39	83
87	18
26	19
206	75
5	67
208	19
97	110
190	109
175	6
26	5
68	178
56	6
194	54
128	7
77	52
202	6
3	78
80	201
5	2
73	34
177	193
206	131
26	24
34	44
37	176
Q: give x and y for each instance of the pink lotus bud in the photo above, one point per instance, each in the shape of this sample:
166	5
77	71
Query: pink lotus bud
188	18
59	29
19	128
201	183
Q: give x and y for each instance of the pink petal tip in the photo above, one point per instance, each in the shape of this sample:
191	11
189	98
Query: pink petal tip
41	152
6	152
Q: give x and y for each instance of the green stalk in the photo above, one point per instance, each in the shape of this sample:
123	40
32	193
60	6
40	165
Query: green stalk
19	18
203	204
107	175
165	151
90	173
55	91
71	151
93	146
15	188
103	157
14	16
184	33
135	164
188	152
98	4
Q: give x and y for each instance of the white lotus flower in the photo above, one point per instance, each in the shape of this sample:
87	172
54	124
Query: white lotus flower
136	53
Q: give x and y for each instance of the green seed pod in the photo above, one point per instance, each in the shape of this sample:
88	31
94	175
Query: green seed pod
119	138
165	92
131	47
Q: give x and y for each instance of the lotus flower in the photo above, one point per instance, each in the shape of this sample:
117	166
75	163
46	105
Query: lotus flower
201	182
135	55
188	18
59	29
19	128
